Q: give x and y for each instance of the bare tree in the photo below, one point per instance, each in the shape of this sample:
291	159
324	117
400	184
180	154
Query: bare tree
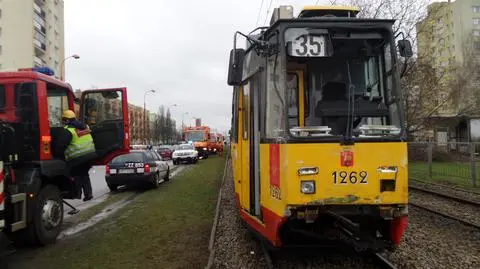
168	127
421	87
465	80
158	124
407	13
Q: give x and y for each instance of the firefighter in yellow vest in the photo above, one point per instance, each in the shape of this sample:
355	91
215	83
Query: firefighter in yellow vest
74	144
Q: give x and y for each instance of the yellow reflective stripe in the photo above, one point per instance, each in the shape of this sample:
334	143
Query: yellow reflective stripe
78	150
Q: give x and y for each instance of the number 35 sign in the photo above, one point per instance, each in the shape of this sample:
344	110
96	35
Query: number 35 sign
308	46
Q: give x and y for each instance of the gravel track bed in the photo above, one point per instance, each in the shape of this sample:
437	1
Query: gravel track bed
235	247
459	210
472	196
434	242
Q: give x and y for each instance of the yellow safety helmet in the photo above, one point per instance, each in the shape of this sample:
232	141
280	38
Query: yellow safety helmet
68	114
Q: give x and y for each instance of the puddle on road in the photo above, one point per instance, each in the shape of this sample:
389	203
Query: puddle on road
106	212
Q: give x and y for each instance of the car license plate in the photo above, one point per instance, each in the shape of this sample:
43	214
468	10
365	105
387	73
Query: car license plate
126	171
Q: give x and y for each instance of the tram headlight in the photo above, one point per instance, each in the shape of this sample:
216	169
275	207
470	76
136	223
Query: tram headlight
307	187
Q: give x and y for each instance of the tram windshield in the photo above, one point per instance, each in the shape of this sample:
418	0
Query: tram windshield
338	84
196	136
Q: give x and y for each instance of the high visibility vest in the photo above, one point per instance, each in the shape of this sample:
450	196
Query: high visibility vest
81	143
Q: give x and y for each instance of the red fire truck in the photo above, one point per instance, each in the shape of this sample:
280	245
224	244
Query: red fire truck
33	183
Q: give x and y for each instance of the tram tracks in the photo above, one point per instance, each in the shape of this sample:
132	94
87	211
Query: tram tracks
375	260
462	210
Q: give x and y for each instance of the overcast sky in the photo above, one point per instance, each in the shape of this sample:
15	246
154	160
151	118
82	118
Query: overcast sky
179	48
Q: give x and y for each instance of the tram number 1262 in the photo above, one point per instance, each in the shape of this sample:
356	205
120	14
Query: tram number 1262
343	177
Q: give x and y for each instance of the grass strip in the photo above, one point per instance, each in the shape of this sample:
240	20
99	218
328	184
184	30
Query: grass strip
164	228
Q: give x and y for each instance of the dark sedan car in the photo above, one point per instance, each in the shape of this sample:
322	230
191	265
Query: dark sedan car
165	152
139	167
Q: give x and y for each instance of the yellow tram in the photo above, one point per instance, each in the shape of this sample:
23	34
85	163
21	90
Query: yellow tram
318	142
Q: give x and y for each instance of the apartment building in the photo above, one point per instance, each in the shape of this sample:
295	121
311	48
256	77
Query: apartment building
32	34
447	39
449	33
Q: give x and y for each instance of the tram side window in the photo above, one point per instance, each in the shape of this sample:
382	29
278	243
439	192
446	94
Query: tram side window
292	91
57	103
234	127
245	110
275	103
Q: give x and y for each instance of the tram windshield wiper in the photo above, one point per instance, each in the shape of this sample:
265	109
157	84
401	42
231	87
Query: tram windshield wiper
313	131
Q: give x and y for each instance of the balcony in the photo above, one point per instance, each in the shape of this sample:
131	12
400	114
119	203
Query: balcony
39	19
37	61
39	43
40	2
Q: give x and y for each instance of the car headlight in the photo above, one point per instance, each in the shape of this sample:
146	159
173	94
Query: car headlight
307	187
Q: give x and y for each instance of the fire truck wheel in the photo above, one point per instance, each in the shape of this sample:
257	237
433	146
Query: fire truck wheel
48	215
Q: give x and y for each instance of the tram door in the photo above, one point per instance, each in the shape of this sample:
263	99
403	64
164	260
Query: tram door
250	148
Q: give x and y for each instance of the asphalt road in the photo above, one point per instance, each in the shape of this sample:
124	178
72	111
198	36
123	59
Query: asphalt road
99	187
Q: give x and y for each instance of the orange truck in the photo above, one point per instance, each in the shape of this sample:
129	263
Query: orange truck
216	143
199	136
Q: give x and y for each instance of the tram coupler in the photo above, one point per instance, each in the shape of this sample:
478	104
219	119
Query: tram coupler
74	209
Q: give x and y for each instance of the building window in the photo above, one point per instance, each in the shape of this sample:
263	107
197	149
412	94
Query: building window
476	32
476	21
476	45
476	9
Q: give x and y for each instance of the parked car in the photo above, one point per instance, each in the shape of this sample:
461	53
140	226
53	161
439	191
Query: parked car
165	152
185	153
139	167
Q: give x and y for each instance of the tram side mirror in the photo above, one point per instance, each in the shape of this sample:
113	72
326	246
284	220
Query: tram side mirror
405	48
235	67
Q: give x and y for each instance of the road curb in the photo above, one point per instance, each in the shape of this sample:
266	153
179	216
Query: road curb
211	244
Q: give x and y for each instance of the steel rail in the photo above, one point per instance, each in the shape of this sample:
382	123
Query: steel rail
383	262
451	197
464	222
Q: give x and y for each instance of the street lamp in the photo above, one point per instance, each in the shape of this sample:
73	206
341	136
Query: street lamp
62	71
145	114
169	126
183	126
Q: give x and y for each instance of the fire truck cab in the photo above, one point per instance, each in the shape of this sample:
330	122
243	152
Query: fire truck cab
33	183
